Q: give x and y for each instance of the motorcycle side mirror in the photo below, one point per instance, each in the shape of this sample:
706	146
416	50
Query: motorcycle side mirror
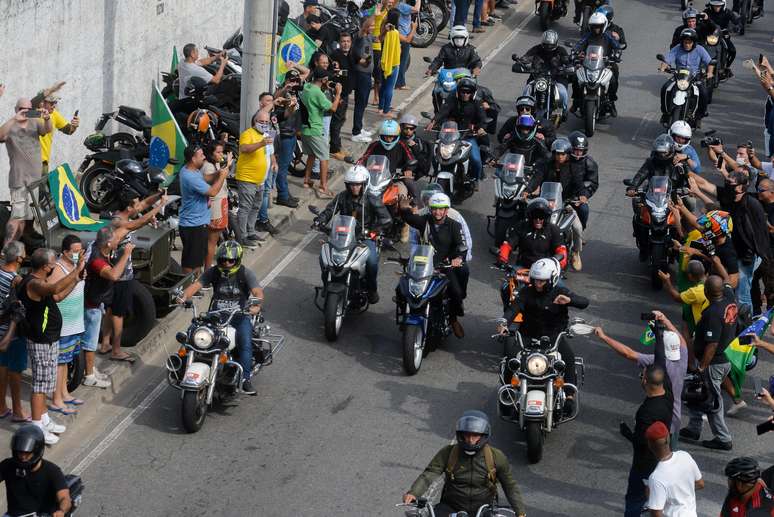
412	164
513	365
426	59
314	210
568	43
661	58
426	115
623	46
627	182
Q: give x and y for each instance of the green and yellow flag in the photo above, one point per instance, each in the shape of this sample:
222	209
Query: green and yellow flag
295	46
173	66
740	355
70	205
165	127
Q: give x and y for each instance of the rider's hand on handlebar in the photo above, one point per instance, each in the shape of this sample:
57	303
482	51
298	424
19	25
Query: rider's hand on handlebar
409	498
481	132
631	192
456	262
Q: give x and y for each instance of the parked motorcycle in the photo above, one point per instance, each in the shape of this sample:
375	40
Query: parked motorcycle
594	77
533	391
440	11
427	30
424	508
204	368
549	11
562	214
682	101
511	179
452	154
542	87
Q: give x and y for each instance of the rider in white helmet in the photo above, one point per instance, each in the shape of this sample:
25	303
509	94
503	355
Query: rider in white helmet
597	36
457	53
681	133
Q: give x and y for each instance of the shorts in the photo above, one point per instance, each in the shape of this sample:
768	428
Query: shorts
219	214
69	347
316	146
15	358
122	298
195	239
43	365
92	319
21	204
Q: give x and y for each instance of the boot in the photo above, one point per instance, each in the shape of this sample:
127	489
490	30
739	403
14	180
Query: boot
577	264
459	332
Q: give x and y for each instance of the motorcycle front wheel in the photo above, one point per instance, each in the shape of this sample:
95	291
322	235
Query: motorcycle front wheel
440	13
426	32
657	257
412	349
534	442
333	312
194	410
590	117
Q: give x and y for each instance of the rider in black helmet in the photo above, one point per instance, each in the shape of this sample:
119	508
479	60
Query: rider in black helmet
747	493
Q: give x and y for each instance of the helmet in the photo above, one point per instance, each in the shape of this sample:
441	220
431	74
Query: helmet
690	13
744	469
389	128
28	438
561	145
466	85
228	250
198	121
357	174
439	200
607	10
131	168
459	36
716	221
473	421
547	269
408	120
429	191
579	142
95	141
598	20
717	3
526	127
195	85
525	100
682	129
663	148
690	34
550	39
538	207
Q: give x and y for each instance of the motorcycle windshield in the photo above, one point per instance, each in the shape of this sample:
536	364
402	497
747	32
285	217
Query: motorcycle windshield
378	173
658	191
420	264
595	58
449	134
343	232
552	192
512	170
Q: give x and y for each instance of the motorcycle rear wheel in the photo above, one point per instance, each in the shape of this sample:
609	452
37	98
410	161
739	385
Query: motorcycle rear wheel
412	349
535	440
333	312
544	14
194	410
426	32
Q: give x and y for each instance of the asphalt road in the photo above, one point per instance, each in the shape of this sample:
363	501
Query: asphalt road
338	429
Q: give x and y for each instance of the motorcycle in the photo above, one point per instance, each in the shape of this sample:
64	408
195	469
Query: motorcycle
748	11
682	101
542	86
510	204
421	310
562	214
440	12
587	9
533	391
343	261
549	11
384	185
452	154
204	369
594	77
445	83
427	30
424	508
716	47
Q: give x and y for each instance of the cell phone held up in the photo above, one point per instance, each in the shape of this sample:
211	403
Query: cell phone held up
765	427
647	316
33	113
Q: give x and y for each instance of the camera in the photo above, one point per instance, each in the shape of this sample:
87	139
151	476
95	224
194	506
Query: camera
710	139
704	245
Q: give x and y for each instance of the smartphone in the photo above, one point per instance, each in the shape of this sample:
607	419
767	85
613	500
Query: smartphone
647	316
765	427
33	113
760	59
747	339
76	113
758	387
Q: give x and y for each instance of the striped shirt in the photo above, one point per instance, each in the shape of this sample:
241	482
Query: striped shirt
6	279
71	307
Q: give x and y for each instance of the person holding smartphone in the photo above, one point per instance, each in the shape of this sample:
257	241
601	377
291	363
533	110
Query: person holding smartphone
47	99
216	160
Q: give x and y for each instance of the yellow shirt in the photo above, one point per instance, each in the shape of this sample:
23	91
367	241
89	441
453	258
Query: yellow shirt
694	296
251	167
58	122
378	18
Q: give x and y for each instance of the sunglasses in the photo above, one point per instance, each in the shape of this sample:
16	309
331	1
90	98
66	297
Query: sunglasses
227	261
409	128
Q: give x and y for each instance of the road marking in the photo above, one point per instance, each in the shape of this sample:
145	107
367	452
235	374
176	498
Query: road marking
644	122
129	419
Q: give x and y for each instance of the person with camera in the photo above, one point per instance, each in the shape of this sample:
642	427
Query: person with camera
342	62
693	19
362	79
748	495
286	105
681	133
726	163
47	100
33	486
193	66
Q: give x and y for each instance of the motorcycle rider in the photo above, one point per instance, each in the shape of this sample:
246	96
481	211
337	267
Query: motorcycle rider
354	202
721	16
543	306
597	35
524	141
535	239
418	147
688	54
468	113
682	133
525	105
457	53
580	159
549	54
691	21
447	237
397	151
579	10
233	285
471	477
616	31
427	193
747	494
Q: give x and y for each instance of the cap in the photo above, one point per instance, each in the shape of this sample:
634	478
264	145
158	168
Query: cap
311	2
52	98
671	346
657	431
313	18
319	73
292	74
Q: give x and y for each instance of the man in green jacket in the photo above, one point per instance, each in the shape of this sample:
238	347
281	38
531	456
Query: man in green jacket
471	468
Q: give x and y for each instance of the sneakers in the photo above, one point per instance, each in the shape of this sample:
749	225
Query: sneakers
577	264
459	332
373	297
96	382
266	226
289	202
50	438
249	244
736	407
687	434
247	388
363	138
99	375
53	427
717	444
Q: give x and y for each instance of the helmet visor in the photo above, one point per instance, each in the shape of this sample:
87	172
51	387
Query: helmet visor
472	424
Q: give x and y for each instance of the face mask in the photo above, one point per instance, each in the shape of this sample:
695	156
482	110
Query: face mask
740	160
263	127
74	257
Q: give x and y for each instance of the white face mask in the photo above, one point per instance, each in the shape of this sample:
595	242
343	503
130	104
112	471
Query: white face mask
741	161
74	257
263	127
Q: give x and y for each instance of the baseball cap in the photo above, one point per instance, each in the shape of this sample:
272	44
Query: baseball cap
292	74
671	345
311	2
313	18
656	431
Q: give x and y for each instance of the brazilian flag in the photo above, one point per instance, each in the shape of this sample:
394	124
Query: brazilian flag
70	205
165	127
740	355
294	46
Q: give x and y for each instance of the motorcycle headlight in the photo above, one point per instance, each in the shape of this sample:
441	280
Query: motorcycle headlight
510	191
446	151
712	40
203	338
658	214
338	257
682	84
537	365
417	287
555	218
541	85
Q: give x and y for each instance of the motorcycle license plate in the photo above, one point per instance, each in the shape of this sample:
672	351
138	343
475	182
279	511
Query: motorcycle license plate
534	406
679	99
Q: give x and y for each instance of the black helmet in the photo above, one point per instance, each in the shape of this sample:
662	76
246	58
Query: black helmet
690	34
550	40
473	421
663	149
743	469
538	207
561	145
130	168
525	100
690	13
28	438
195	85
466	85
579	142
227	251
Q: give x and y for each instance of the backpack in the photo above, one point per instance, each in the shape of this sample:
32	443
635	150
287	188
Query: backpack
491	471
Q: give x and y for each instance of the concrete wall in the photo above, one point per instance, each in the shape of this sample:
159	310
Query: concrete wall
108	51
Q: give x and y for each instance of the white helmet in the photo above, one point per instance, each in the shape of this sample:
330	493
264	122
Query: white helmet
671	345
356	174
547	269
598	19
458	35
681	128
439	200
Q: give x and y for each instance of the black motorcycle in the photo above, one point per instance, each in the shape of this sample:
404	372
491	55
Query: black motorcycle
542	85
549	11
510	204
682	95
717	48
587	9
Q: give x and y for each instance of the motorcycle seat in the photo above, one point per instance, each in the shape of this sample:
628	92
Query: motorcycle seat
138	115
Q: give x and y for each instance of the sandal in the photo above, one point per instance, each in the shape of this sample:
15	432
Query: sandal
21	419
309	184
102	351
129	358
63	410
74	402
324	194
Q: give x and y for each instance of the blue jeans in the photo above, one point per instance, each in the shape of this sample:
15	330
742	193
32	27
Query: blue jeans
635	494
244	337
268	186
477	8
287	145
475	167
583	213
386	91
460	11
744	286
326	134
405	62
363	83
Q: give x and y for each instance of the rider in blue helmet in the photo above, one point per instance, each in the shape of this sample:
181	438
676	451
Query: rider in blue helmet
391	145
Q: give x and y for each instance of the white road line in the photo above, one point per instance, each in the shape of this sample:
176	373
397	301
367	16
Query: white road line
129	419
644	122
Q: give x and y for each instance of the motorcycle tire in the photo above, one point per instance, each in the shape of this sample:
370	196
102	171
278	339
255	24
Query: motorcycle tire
97	198
142	315
333	312
76	371
412	353
675	116
535	440
544	15
590	117
657	257
194	410
440	12
426	32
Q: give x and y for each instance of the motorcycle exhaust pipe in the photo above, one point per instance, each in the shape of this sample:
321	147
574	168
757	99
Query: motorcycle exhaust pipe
507	396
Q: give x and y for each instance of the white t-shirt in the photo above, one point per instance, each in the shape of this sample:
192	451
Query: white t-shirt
672	486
